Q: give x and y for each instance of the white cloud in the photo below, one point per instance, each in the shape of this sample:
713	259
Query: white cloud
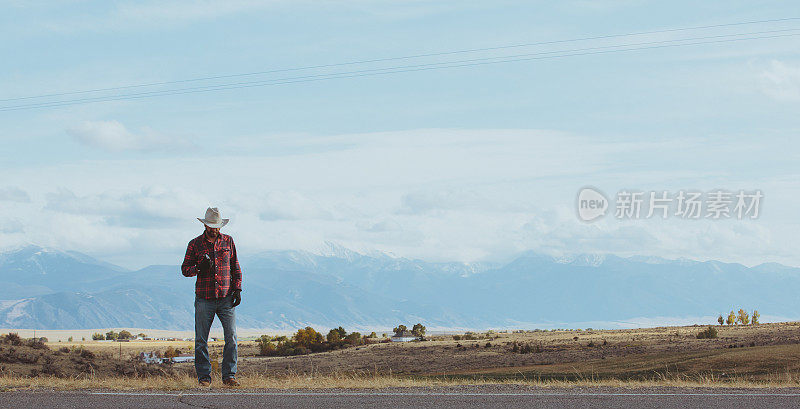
291	205
431	194
113	136
14	194
10	226
781	81
150	207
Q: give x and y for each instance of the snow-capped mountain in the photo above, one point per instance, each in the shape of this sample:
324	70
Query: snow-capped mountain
286	289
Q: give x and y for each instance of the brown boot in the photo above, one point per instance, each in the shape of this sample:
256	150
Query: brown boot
230	382
205	382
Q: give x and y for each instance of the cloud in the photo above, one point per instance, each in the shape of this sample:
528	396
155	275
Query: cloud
149	208
14	194
11	226
291	205
383	226
112	136
430	194
781	81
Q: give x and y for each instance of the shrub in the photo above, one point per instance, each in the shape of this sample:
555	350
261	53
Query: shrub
36	343
708	333
170	353
456	337
13	339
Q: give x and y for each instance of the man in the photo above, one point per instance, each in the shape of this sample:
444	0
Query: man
211	257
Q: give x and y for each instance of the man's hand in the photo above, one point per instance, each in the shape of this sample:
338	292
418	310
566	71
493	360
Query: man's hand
204	267
236	297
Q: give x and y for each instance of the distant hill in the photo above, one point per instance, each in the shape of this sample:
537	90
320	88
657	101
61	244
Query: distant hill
47	288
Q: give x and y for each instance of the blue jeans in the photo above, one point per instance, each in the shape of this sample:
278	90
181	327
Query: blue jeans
204	311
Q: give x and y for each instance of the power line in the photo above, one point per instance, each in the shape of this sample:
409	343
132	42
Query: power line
402	58
362	73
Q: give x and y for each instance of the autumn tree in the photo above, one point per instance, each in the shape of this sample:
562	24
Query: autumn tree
307	337
720	320
265	346
125	334
731	318
111	335
333	336
756	316
98	336
743	317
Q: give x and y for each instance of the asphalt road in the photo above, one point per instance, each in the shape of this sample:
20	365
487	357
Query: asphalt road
444	397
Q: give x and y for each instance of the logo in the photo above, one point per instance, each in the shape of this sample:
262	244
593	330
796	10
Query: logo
592	204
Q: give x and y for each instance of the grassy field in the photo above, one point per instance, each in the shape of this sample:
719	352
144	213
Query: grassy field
761	355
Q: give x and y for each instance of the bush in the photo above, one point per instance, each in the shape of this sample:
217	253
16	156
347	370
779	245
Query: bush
13	339
708	333
36	343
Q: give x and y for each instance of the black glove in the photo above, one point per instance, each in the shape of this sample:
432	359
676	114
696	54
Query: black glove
204	267
236	297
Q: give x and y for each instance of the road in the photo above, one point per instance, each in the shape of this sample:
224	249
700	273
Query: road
438	397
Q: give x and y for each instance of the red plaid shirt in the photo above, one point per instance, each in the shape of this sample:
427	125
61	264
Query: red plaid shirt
228	274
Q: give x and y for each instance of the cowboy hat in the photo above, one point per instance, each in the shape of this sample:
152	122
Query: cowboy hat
212	218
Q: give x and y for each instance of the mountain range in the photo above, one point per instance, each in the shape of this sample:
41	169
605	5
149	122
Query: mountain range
45	288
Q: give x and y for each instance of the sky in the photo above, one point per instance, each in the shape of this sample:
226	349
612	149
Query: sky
461	163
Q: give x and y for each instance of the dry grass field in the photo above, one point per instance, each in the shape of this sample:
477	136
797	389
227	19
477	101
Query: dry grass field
760	355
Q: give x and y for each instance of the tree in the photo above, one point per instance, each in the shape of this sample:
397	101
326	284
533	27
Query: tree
307	337
98	336
720	320
265	346
342	332
756	316
731	318
333	336
111	335
418	330
744	317
69	339
400	329
372	335
141	335
354	338
125	334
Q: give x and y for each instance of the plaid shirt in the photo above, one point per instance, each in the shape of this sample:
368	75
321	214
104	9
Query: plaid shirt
228	275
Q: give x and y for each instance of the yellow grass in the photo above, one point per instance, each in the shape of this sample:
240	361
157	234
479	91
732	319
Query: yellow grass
355	381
